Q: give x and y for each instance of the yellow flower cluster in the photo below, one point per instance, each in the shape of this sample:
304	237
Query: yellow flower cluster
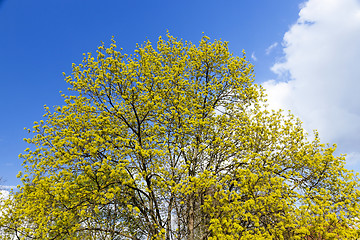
175	142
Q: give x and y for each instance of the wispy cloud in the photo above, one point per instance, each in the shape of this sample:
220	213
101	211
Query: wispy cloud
320	66
6	187
271	47
253	57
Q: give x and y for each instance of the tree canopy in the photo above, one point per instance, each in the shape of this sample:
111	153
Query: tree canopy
176	142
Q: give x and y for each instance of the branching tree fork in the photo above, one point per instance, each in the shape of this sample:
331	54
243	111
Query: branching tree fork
176	142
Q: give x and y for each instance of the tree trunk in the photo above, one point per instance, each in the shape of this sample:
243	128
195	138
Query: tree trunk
191	221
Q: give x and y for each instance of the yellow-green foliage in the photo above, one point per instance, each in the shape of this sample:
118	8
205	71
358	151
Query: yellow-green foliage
175	142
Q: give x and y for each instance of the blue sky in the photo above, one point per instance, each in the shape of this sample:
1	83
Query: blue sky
41	39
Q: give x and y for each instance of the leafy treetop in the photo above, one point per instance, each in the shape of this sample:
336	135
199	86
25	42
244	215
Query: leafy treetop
175	142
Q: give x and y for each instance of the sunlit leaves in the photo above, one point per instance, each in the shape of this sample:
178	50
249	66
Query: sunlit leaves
174	142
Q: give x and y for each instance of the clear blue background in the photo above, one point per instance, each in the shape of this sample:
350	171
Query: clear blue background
40	39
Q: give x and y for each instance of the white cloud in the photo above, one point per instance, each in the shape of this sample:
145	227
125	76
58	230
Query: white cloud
321	66
278	93
4	194
270	48
253	57
352	159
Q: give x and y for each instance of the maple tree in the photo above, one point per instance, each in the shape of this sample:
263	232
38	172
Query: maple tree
176	142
